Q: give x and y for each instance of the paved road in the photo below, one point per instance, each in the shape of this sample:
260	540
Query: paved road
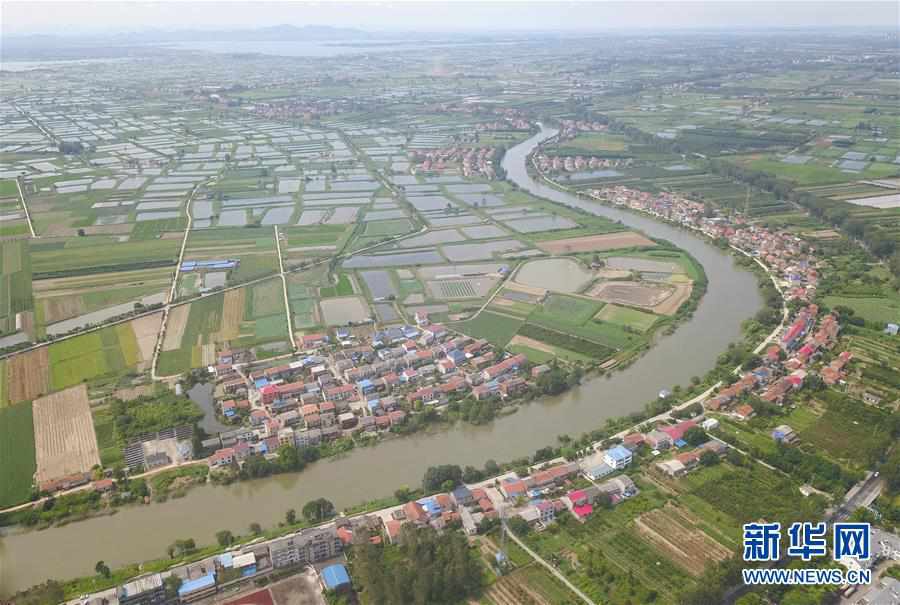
550	568
862	494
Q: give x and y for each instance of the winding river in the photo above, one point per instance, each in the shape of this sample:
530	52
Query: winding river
141	533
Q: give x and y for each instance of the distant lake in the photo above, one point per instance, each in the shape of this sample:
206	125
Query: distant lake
292	48
31	65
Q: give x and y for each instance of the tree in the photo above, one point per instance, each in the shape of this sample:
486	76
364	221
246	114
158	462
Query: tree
255	529
172	584
695	436
102	569
318	510
709	458
224	538
290	516
435	477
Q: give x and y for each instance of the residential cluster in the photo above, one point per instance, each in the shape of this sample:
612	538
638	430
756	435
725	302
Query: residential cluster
345	385
786	255
471	161
577	163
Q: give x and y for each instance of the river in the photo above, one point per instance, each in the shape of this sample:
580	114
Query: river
143	532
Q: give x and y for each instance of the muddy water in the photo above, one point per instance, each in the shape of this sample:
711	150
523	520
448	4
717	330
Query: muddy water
139	533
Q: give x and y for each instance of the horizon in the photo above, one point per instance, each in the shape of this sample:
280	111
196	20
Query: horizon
74	19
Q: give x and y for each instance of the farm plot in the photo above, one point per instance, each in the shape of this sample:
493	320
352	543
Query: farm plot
28	375
476	287
497	328
677	534
596	243
105	352
631	293
343	310
59	257
64	438
624	316
193	335
15	283
17	463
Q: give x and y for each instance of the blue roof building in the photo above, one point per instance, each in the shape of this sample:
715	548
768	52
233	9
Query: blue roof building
335	577
617	457
201	583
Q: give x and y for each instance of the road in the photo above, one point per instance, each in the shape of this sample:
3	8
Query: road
284	289
862	494
160	335
559	576
25	207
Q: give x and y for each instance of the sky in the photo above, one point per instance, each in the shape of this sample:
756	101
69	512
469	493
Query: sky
76	17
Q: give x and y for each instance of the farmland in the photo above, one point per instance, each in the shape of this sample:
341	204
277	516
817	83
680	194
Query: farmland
64	438
102	353
15	283
17	461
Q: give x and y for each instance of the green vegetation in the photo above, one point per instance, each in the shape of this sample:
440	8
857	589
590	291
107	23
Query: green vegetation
15	282
148	414
569	342
17	462
496	328
426	567
106	352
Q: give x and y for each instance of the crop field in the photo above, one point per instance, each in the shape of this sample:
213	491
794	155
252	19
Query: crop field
595	243
566	341
570	309
631	293
677	534
496	328
17	461
15	282
389	228
64	438
762	494
529	585
870	308
57	257
623	316
101	353
850	431
28	375
191	335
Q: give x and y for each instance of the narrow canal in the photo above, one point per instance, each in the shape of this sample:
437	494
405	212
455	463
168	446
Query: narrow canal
141	533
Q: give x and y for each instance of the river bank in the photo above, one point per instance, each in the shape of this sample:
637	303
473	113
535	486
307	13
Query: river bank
367	473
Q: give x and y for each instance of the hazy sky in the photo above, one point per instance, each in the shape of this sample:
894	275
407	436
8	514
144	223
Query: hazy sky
77	16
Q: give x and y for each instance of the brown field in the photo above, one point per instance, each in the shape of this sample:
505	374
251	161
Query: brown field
531	343
628	293
64	439
28	375
175	326
120	229
514	590
677	534
146	330
671	304
233	313
59	308
267	298
595	243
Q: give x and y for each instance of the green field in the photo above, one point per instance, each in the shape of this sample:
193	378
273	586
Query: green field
88	356
56	257
15	282
17	462
869	308
495	328
388	228
204	319
624	316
